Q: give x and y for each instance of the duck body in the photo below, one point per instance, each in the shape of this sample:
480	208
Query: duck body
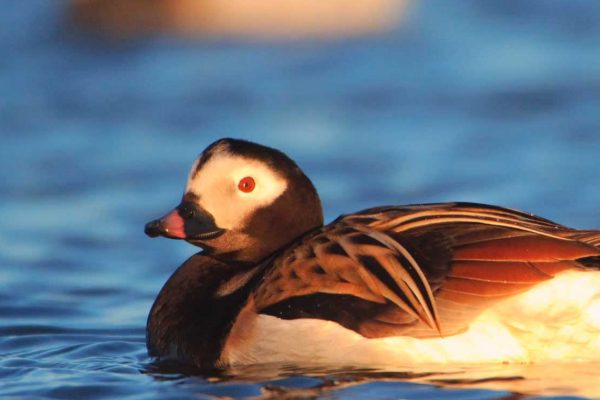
528	328
452	282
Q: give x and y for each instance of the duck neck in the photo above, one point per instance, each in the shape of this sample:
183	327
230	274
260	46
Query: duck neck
195	310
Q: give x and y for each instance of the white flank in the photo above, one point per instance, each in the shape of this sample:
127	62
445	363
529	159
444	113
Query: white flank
558	320
216	184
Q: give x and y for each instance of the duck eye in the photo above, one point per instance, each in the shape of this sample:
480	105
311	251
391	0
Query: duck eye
246	184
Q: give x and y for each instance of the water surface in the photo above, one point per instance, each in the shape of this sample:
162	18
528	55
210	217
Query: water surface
493	101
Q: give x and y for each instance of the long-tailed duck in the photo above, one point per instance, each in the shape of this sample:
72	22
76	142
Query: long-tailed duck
427	283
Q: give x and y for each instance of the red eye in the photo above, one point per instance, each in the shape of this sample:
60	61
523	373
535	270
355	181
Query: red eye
246	184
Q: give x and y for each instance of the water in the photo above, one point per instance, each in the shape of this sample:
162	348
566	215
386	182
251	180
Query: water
493	101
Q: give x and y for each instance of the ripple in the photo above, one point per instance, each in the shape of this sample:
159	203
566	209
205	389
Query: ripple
35	311
24	330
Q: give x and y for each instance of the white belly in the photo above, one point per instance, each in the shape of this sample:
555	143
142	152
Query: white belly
557	320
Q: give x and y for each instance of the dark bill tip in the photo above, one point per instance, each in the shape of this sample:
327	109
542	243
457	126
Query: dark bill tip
153	228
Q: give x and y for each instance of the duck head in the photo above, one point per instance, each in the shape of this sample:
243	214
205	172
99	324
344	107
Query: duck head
242	202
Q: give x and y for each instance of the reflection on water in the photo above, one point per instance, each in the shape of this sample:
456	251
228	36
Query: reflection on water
492	101
514	381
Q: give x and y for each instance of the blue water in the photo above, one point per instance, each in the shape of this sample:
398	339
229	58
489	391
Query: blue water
487	101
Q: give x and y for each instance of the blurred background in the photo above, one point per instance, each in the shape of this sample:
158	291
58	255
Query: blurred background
104	104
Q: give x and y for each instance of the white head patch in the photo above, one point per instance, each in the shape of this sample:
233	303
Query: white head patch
216	185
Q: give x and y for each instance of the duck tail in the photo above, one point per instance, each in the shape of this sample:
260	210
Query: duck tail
592	262
592	238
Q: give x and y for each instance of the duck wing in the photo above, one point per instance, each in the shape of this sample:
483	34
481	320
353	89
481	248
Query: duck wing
420	270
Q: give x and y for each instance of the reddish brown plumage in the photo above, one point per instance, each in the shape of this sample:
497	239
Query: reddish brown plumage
506	271
484	288
469	256
533	247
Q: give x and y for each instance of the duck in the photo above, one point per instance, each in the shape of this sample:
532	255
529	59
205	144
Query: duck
392	285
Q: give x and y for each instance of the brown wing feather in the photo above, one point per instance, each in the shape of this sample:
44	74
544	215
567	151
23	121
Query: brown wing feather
530	248
355	261
420	270
490	271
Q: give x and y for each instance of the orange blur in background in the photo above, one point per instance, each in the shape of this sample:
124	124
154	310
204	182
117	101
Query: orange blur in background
251	19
